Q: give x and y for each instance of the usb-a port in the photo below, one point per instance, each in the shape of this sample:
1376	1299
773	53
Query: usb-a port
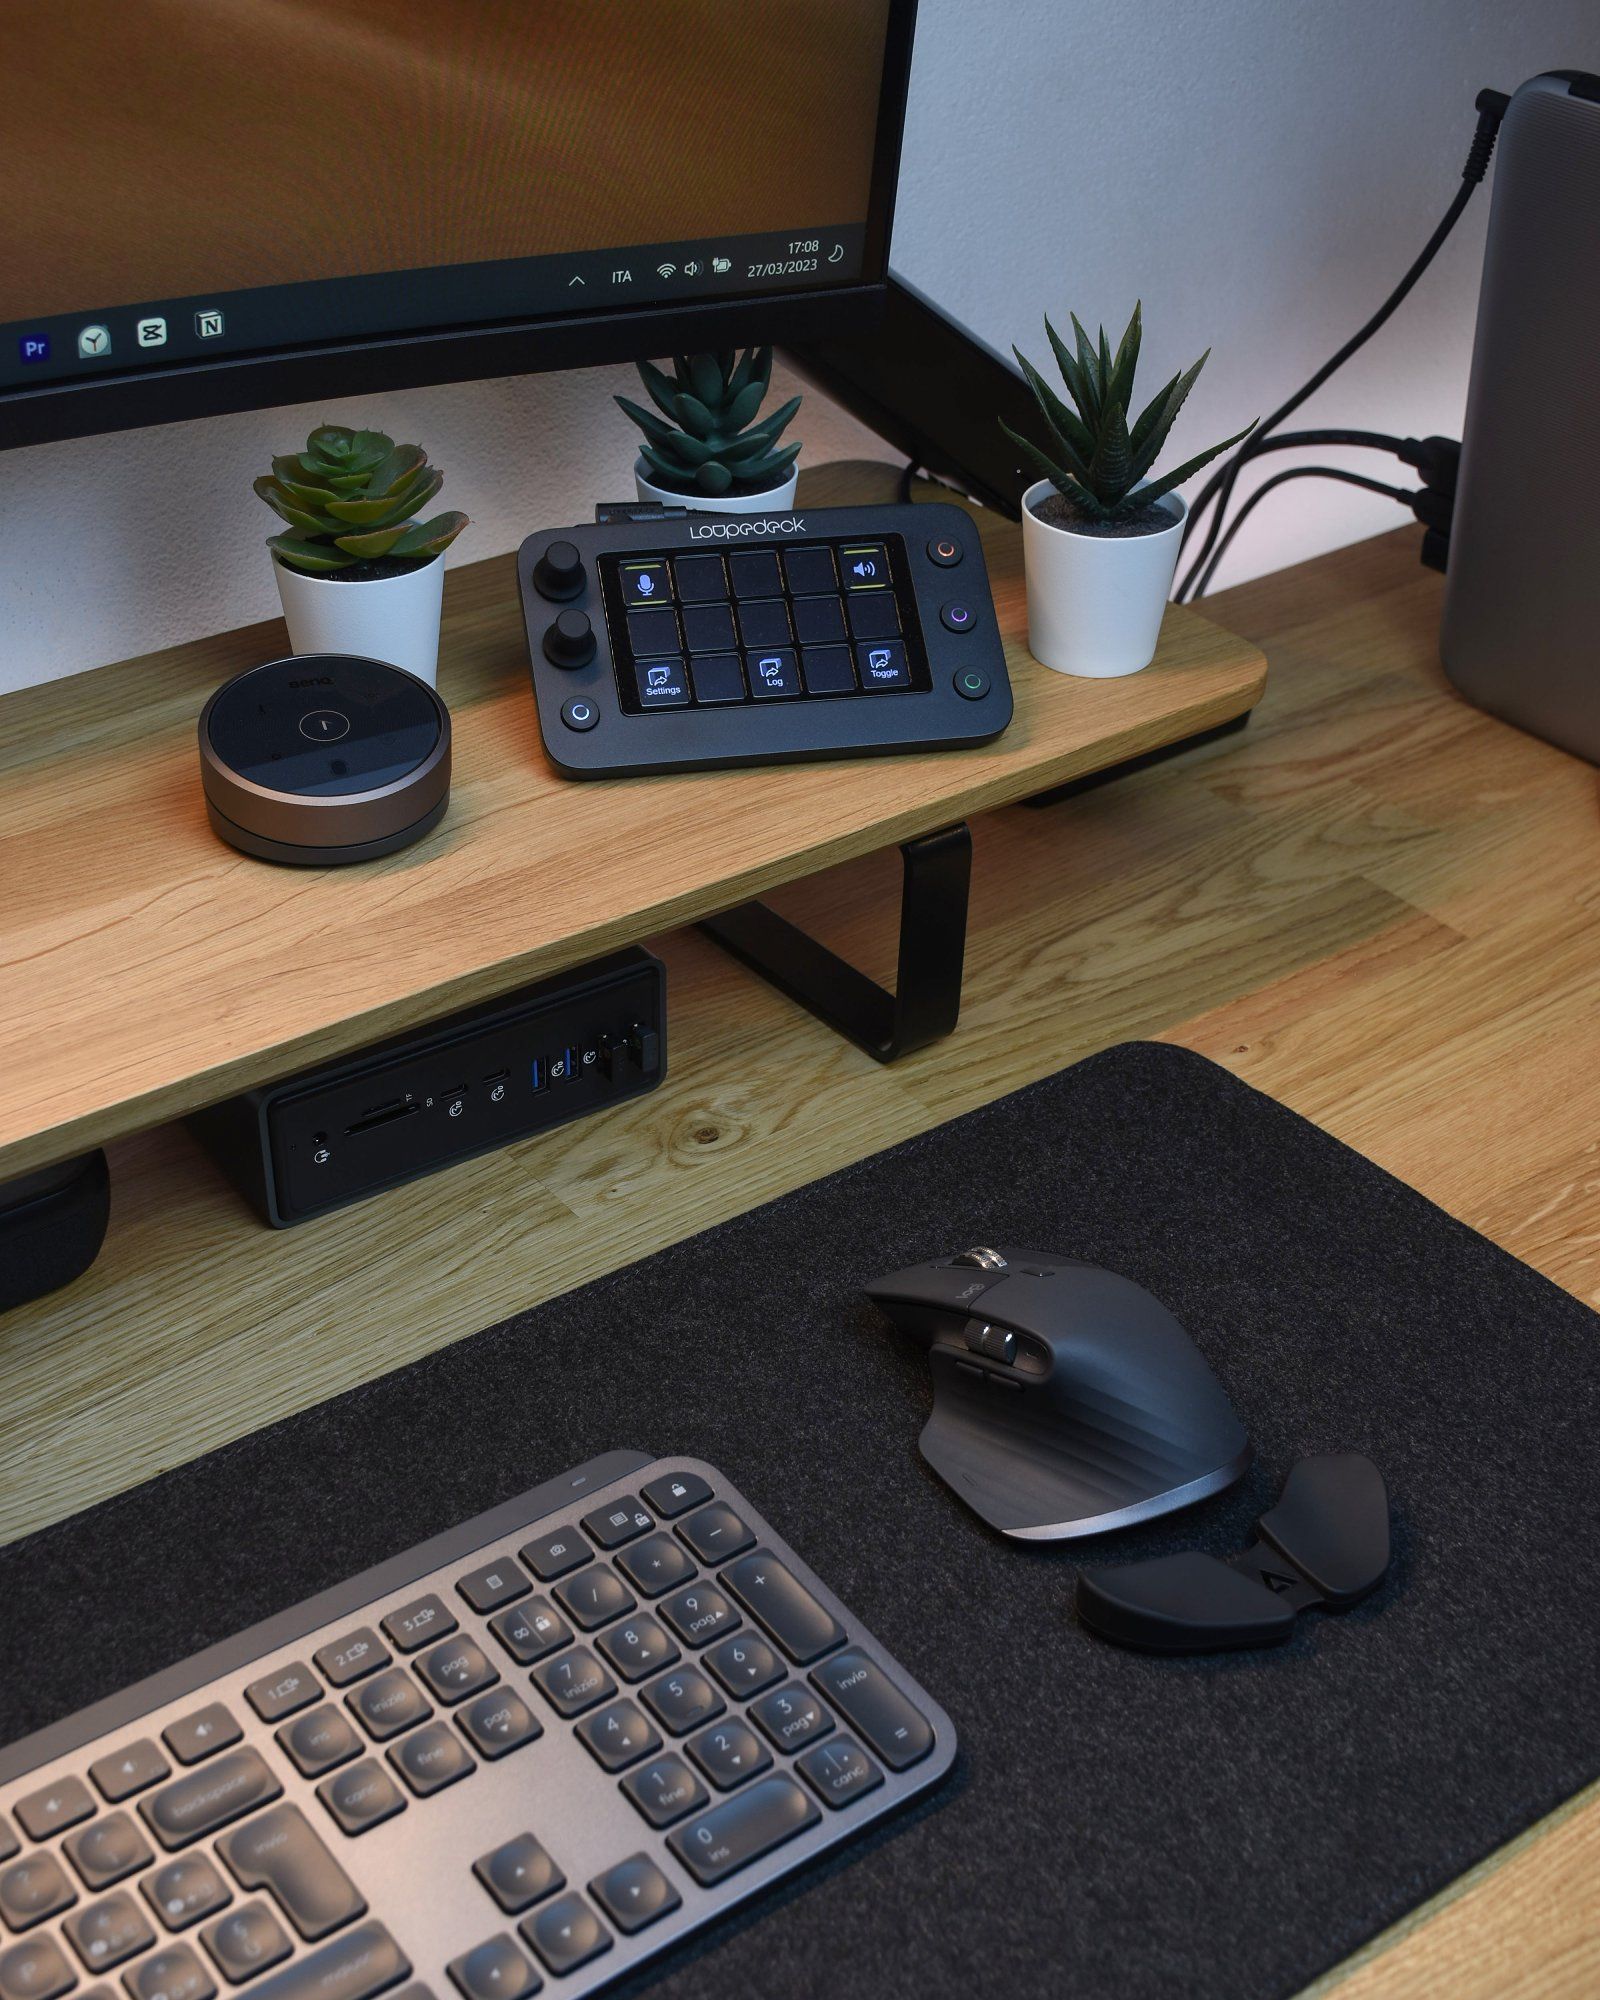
536	1072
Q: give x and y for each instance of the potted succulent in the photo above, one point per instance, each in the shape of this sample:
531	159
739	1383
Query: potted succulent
357	571
706	449
1099	546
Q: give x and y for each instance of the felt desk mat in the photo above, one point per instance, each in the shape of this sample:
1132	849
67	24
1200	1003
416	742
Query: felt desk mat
1116	1823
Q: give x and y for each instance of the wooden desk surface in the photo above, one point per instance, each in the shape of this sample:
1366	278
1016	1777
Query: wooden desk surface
1376	903
145	968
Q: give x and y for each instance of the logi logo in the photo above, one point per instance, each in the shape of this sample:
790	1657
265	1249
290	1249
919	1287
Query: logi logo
728	531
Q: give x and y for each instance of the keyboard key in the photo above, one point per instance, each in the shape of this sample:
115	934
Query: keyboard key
362	1796
828	670
664	1790
416	1623
618	1736
634	1893
494	1970
518	1874
173	1974
430	1758
202	1734
531	1631
839	1772
286	1692
774	676
717	678
715	1533
109	1931
683	1700
755	574
865	566
783	1606
495	1584
594	1597
740	1830
320	1740
764	625
674	1493
662	683
246	1941
809	570
349	1659
637	1648
883	665
566	1933
53	1808
818	621
358	1965
182	1892
652	632
573	1681
729	1753
210	1798
389	1704
133	1768
791	1716
745	1664
456	1669
874	615
864	1694
550	1556
699	578
707	628
34	1889
622	1521
655	1565
37	1970
9	1843
698	1614
284	1854
499	1722
107	1849
646	581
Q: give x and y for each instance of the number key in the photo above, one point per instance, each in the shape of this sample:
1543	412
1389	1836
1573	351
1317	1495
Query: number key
698	1614
108	1931
637	1648
348	1659
284	1693
414	1624
183	1891
618	1736
744	1664
34	1889
665	1789
729	1753
36	1970
173	1974
573	1681
683	1700
790	1716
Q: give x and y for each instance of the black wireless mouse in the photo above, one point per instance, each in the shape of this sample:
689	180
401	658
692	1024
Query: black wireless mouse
1066	1400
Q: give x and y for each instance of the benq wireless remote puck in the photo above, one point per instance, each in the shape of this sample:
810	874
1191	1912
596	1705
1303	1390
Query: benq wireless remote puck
324	758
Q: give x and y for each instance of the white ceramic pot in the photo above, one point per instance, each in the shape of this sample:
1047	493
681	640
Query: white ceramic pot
391	618
1095	602
707	503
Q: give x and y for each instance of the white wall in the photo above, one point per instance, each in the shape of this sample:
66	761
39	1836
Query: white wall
1259	171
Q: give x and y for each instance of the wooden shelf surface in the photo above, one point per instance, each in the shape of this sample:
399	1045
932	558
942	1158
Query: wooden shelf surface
146	968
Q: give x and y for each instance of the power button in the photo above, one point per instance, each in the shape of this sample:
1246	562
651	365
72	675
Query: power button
945	550
972	683
580	713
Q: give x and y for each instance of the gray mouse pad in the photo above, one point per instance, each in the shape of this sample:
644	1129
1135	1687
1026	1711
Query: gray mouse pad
1116	1824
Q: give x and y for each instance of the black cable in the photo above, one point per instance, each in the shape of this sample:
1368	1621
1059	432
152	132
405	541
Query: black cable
1491	107
1405	495
906	477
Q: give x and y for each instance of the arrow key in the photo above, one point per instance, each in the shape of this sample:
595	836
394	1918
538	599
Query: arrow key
495	1970
634	1893
518	1874
566	1933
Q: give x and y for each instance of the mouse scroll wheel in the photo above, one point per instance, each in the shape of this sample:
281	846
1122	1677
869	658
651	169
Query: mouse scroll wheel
983	1260
999	1343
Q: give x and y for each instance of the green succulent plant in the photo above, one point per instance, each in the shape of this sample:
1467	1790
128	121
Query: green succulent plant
353	497
1102	454
706	439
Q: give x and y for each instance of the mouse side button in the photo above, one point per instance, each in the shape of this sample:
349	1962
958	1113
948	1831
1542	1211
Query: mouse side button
1332	1522
1188	1603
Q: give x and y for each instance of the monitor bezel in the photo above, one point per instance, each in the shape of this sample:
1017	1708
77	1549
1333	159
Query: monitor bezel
320	372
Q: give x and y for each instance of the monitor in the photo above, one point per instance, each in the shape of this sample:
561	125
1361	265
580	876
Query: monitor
215	205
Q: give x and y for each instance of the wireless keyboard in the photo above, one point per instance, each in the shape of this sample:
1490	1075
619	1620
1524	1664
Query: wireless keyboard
680	644
532	1752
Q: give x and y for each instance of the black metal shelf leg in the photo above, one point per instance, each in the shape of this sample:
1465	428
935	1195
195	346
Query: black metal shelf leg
936	875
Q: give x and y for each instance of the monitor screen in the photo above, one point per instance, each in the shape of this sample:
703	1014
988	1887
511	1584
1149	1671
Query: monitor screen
192	183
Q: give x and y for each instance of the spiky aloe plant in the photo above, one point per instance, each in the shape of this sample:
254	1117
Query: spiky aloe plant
706	439
1101	456
353	497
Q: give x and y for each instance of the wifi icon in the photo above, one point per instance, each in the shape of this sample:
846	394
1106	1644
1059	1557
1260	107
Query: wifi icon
665	270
